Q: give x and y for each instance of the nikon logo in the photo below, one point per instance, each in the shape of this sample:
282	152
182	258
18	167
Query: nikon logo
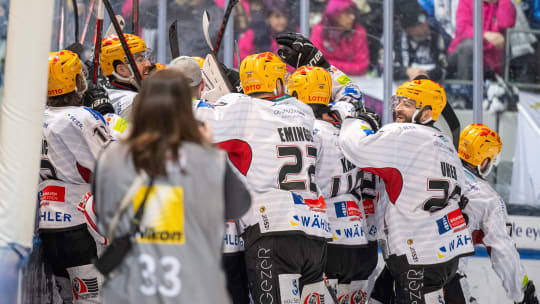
150	235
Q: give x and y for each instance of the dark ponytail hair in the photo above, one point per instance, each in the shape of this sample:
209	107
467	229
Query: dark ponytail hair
162	118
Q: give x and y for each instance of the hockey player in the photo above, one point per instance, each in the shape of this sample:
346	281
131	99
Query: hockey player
269	139
122	87
349	260
72	137
479	149
425	231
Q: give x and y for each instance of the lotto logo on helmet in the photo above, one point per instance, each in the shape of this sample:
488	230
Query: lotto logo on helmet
314	298
84	288
252	87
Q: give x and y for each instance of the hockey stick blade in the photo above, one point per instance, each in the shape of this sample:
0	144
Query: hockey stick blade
206	29
453	123
121	22
173	39
76	19
224	22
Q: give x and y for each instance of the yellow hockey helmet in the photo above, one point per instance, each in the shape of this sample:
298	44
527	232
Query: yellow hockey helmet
199	60
111	51
259	72
64	66
478	142
312	85
425	93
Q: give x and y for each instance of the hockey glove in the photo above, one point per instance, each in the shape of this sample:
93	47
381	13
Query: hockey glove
371	118
530	294
234	78
296	50
97	98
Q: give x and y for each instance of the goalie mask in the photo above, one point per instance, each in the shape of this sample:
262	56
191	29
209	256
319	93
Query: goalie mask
311	85
64	66
423	92
478	142
260	72
112	51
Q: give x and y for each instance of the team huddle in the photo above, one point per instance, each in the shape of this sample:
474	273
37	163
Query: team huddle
279	192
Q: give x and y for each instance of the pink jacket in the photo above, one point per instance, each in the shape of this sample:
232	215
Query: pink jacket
497	17
350	55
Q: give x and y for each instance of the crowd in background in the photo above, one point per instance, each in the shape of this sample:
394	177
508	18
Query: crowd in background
428	34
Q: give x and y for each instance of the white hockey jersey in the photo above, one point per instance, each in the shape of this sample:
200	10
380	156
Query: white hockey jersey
375	201
72	139
423	179
337	177
122	100
118	126
271	143
488	220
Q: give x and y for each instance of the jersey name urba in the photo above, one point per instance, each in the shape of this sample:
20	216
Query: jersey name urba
448	170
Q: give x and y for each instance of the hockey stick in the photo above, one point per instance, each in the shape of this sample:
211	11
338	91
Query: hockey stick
206	26
173	39
76	16
226	17
453	123
100	14
118	29
88	16
61	29
135	16
237	51
111	31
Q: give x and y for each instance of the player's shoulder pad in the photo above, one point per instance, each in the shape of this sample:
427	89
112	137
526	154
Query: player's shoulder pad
95	115
201	103
300	105
231	98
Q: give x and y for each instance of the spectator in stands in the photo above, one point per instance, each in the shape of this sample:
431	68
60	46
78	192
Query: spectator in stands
442	16
498	15
341	39
190	34
266	24
419	48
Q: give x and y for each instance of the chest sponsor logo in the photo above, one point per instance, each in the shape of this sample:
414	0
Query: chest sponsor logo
461	240
356	231
307	221
163	220
369	207
315	205
450	221
348	209
52	194
49	216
